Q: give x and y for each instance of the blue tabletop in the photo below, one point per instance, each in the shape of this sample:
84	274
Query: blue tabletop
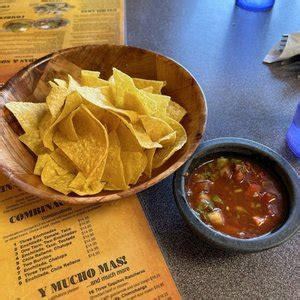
223	47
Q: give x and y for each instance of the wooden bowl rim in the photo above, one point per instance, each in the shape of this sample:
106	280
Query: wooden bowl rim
118	194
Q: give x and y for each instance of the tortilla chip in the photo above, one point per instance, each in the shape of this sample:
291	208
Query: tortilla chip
34	142
157	104
45	124
92	184
55	100
114	171
97	112
107	94
132	155
155	128
108	119
28	114
148	89
175	111
156	85
141	135
153	104
56	177
111	121
72	101
163	154
168	139
88	151
89	73
66	126
80	186
97	173
60	83
132	102
95	97
63	161
150	154
121	83
72	84
91	79
112	86
40	163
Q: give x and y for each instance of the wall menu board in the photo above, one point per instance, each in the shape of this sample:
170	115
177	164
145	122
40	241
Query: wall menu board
30	29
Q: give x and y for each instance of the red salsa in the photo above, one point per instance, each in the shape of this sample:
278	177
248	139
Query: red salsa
236	197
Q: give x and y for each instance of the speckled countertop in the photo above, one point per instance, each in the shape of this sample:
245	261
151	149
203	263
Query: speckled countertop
223	47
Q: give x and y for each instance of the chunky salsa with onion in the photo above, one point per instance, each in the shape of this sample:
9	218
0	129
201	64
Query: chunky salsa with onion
236	197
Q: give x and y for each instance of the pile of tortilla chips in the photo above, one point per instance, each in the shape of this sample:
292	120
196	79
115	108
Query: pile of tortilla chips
100	134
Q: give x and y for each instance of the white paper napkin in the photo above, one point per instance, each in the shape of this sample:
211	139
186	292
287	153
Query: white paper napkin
281	52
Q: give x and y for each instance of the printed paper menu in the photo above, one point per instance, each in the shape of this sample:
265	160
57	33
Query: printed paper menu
30	29
52	250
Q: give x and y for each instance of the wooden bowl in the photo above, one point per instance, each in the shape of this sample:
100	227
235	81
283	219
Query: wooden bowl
30	84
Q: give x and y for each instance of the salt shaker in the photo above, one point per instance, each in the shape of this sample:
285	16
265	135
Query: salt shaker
293	134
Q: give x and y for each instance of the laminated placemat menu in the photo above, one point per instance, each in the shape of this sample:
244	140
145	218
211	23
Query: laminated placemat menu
30	29
53	250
